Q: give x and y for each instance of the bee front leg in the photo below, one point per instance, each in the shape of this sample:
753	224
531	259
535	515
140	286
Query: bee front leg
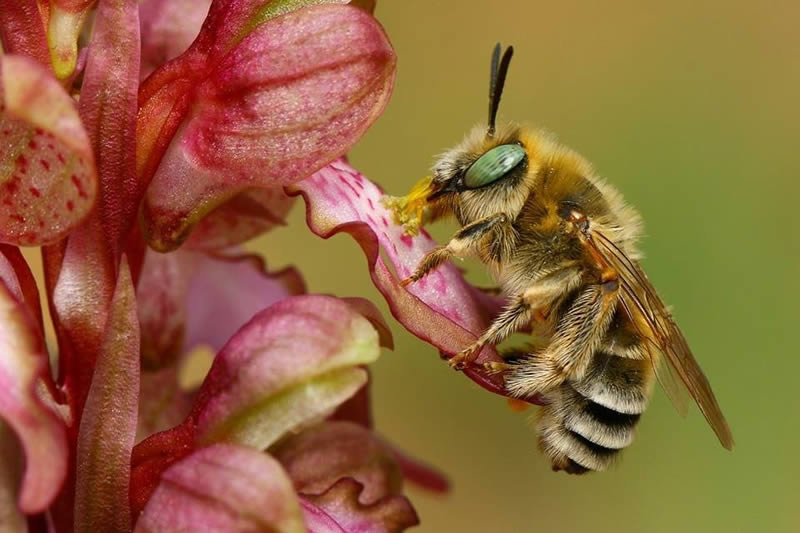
463	243
579	333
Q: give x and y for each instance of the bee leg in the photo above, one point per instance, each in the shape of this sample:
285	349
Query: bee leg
432	260
510	359
579	333
519	312
514	317
463	243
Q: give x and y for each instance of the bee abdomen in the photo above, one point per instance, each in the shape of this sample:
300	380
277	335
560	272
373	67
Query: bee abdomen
588	422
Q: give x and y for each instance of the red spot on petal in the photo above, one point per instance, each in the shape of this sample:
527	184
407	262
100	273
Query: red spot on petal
18	219
32	145
38	131
369	202
6	132
35	192
385	222
45	164
407	240
22	162
50	145
61	158
350	186
70	205
79	186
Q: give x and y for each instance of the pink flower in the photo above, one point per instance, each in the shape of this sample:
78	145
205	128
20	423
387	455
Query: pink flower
138	164
263	96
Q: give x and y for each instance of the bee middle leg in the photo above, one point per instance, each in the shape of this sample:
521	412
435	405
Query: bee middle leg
519	313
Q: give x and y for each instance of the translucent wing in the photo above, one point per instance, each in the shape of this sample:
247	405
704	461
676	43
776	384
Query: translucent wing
655	323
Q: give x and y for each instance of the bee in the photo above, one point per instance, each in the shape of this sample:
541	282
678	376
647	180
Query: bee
562	245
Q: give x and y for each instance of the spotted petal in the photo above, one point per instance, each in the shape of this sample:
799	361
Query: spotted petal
442	308
48	181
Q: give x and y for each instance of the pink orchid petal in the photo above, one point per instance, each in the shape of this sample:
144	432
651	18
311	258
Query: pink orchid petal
108	425
161	304
443	308
223	489
20	281
189	298
320	456
168	27
22	31
48	181
293	94
358	410
368	310
228	290
339	510
108	108
11	461
420	473
294	362
41	433
243	217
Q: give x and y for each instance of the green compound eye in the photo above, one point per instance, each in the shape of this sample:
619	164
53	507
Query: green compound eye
493	165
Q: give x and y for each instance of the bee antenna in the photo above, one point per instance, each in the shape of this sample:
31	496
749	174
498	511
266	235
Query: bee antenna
497	79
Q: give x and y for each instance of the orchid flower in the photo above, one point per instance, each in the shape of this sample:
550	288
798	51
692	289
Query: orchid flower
142	144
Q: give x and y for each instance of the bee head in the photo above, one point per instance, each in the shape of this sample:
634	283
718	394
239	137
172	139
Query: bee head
482	175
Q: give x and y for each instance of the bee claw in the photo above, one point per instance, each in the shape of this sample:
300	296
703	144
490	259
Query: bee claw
406	282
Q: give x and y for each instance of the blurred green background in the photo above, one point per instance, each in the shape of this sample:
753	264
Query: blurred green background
691	110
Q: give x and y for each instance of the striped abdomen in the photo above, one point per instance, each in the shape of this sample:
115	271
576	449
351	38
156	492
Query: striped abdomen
588	421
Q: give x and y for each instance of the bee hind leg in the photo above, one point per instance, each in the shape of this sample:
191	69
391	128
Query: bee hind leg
579	333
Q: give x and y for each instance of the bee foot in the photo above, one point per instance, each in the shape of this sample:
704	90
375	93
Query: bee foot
466	356
496	367
457	362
